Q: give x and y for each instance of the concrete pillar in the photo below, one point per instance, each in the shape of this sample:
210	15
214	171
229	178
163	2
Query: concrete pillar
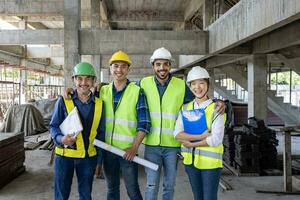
105	75
23	73
23	85
95	23
71	38
257	86
96	62
211	84
207	13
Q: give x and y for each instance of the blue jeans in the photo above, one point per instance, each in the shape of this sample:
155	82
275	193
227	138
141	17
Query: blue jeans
63	176
112	165
204	183
166	158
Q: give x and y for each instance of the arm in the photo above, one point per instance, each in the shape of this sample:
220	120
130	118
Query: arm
220	106
100	152
143	126
216	137
69	91
181	136
189	144
58	117
131	152
101	136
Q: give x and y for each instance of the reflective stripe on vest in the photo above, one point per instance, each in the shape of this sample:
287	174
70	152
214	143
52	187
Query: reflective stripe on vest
204	157
80	152
121	124
163	111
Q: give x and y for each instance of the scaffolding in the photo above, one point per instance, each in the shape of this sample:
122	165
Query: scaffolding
18	86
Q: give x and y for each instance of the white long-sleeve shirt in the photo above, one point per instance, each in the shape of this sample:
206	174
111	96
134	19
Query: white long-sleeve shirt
217	127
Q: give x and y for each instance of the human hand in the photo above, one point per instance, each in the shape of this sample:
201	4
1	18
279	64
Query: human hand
206	134
98	87
130	153
68	93
220	107
68	140
187	143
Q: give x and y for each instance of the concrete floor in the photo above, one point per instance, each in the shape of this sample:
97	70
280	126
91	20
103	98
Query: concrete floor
36	183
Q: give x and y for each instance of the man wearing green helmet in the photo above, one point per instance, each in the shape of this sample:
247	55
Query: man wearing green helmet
127	121
77	152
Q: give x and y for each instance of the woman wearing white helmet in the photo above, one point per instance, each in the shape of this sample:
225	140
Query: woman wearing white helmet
201	139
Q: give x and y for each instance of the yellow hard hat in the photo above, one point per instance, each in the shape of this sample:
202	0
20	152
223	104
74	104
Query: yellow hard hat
120	56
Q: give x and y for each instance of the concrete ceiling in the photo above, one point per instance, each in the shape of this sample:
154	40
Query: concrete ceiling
146	14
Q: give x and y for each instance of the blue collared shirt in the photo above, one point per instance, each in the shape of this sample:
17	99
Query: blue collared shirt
85	110
143	116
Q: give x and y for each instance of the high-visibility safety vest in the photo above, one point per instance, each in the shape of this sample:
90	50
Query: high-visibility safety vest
80	151
163	111
121	124
203	157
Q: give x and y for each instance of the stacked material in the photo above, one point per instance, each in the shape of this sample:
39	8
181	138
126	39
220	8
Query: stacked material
229	147
267	143
12	156
247	153
251	148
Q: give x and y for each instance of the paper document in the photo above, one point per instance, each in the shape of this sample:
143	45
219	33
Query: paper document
72	124
121	153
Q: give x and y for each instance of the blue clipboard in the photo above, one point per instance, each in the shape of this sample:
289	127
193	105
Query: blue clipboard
194	121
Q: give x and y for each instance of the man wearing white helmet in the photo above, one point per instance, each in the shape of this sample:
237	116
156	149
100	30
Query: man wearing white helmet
202	146
165	96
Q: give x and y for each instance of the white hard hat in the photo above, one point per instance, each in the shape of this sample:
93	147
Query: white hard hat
161	53
197	72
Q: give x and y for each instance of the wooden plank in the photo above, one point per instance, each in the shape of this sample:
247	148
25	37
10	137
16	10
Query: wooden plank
277	192
224	184
237	172
7	138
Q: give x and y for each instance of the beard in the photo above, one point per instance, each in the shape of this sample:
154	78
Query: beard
84	92
162	76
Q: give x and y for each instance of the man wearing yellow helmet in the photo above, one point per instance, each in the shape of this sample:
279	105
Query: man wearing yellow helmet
127	123
77	152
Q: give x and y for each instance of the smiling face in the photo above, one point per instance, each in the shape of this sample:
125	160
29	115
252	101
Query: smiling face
119	70
162	69
199	87
84	84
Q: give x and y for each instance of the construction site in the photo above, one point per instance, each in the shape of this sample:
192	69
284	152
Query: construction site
249	48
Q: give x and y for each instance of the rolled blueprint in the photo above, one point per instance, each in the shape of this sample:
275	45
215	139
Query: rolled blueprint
121	153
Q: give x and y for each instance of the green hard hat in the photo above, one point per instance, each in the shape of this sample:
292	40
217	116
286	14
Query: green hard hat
84	69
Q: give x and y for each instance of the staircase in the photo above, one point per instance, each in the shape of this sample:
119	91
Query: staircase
285	111
227	94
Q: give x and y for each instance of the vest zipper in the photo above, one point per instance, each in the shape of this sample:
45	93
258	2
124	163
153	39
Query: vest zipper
160	121
113	129
115	110
193	155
